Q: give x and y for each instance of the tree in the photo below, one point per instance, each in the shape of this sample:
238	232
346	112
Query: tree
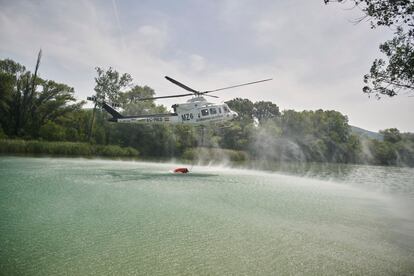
244	107
384	153
396	74
17	92
109	84
27	102
10	71
108	87
52	132
237	135
130	101
391	135
51	103
265	110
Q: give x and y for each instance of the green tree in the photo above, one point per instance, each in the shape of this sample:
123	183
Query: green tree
76	124
395	74
9	73
52	132
396	149
109	84
51	103
150	140
131	103
391	135
243	107
406	149
384	153
265	110
28	102
320	135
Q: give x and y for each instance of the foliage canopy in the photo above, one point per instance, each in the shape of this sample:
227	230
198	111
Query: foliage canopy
394	74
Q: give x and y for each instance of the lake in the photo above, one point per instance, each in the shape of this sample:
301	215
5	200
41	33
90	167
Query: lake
64	216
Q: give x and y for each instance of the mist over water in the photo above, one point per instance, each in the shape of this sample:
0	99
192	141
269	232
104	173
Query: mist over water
77	216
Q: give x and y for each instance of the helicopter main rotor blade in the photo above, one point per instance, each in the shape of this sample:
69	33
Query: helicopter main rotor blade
209	95
182	85
164	97
234	86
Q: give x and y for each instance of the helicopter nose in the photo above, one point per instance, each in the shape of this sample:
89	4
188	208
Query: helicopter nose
235	115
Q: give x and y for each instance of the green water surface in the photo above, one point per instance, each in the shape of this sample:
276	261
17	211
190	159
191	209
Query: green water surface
91	217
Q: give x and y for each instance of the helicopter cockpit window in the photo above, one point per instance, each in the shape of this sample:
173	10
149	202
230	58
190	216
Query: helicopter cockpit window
204	112
226	109
219	110
213	111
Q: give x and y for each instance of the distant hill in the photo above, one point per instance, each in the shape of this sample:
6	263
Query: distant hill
366	133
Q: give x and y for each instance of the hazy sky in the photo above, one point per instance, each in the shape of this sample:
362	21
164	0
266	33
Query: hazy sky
315	54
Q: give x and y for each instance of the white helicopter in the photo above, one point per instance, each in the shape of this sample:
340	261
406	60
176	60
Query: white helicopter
196	111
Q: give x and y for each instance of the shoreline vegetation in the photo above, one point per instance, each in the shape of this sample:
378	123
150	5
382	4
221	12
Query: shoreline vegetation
43	117
199	156
65	149
82	149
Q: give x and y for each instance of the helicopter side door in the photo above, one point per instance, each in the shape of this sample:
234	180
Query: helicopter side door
217	113
209	114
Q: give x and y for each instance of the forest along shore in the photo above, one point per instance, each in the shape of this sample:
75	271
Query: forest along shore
43	117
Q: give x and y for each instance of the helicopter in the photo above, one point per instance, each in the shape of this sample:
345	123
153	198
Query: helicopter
196	111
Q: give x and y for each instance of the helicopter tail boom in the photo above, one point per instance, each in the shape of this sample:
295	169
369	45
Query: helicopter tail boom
115	114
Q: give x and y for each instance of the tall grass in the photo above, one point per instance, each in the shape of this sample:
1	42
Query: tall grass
64	148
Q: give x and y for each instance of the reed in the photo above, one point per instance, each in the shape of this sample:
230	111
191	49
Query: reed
9	146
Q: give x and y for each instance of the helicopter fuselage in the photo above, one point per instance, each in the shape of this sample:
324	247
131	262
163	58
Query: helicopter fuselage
196	111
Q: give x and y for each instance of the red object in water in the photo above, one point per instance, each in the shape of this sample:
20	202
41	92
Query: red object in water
181	170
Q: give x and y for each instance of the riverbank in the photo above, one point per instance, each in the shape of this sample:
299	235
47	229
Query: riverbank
75	149
78	149
199	156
